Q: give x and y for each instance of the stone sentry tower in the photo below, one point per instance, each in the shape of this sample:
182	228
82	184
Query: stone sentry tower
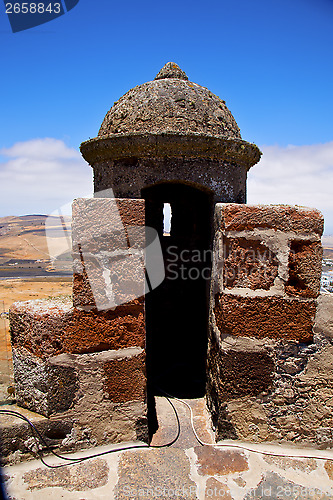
173	141
170	130
233	304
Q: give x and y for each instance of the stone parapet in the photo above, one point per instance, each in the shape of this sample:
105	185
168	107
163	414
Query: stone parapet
265	317
85	362
263	347
294	219
47	328
107	388
272	251
108	252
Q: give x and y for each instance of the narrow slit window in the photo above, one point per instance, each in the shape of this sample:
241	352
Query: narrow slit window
167	214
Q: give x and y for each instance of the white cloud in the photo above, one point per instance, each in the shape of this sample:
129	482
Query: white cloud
39	175
295	175
47	148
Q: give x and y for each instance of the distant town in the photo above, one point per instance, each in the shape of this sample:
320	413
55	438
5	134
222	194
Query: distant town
327	275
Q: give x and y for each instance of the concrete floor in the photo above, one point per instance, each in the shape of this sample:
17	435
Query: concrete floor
185	470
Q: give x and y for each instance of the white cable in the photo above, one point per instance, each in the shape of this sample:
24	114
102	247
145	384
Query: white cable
243	447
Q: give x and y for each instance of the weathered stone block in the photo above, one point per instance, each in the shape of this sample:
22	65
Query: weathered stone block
93	331
265	317
108	252
248	263
15	435
105	218
107	281
324	316
237	217
241	373
155	473
109	415
80	477
125	381
48	328
305	268
39	326
41	388
80	385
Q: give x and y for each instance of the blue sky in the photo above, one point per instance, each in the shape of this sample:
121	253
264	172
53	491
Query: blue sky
271	60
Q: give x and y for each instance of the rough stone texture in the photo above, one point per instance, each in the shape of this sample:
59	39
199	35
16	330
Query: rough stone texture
266	367
170	103
273	486
295	408
16	438
248	263
171	70
41	388
216	490
305	262
91	331
174	163
106	219
160	473
47	328
125	382
324	317
296	405
241	373
265	317
108	259
38	325
295	219
81	387
80	477
213	461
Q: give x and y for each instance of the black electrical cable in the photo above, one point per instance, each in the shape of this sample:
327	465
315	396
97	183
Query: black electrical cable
240	446
35	432
72	461
178	428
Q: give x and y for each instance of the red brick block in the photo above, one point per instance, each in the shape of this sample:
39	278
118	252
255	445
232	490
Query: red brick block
47	328
92	331
265	317
237	217
39	326
125	379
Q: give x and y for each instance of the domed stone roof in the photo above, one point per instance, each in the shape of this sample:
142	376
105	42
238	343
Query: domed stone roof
170	104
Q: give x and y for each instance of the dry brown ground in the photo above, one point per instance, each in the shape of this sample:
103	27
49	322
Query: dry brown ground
13	290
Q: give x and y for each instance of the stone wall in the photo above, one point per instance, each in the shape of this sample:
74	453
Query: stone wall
84	361
269	369
129	163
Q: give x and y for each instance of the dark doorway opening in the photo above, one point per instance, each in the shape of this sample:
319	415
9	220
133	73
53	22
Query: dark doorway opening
177	310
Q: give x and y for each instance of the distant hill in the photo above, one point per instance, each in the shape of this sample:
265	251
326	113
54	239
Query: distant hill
23	245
